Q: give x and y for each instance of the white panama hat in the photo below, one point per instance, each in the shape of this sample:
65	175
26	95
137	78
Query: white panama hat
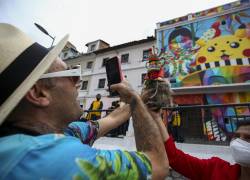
22	62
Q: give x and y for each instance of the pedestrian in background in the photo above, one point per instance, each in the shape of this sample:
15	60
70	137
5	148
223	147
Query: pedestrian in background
176	125
95	105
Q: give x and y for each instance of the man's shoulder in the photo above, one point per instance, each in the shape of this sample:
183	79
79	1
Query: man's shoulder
67	151
23	144
23	149
27	140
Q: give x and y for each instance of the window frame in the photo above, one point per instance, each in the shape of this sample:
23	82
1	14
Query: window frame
142	77
125	55
86	85
65	54
92	47
99	81
143	52
103	61
88	64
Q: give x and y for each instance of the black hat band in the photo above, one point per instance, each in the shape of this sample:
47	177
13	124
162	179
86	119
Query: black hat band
20	69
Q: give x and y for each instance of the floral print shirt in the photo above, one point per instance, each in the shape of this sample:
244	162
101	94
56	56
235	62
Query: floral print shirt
68	156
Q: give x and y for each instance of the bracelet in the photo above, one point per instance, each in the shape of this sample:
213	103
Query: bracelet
96	125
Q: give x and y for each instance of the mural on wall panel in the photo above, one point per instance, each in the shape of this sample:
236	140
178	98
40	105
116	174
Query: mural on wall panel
209	44
210	52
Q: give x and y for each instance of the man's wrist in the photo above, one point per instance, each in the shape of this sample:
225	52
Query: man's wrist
135	99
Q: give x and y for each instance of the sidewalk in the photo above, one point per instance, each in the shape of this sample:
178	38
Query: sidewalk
197	150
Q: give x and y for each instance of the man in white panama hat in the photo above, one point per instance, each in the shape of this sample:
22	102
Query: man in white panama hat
38	137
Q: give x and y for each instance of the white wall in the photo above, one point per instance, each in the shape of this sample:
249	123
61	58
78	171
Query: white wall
133	70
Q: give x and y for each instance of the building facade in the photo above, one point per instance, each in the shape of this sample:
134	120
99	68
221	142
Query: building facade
132	56
69	51
207	59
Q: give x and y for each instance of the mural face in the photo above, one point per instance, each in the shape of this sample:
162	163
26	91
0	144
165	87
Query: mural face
210	52
224	48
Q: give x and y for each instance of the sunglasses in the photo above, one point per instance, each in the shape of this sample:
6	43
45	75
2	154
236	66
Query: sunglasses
74	74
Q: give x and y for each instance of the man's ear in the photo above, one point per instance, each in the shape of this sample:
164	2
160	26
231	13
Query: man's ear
38	96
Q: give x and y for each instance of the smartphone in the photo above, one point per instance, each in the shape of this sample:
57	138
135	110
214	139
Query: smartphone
114	74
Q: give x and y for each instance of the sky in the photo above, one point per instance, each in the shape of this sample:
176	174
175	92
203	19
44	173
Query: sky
114	21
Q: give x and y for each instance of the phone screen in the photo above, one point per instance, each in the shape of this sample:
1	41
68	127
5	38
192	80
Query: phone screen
113	71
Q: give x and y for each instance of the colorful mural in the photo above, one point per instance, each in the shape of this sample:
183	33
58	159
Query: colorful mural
207	44
210	52
205	13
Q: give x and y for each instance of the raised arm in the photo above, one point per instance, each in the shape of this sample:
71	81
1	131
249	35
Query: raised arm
156	115
187	165
147	136
113	120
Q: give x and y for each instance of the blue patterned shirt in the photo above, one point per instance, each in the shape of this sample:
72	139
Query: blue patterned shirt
68	156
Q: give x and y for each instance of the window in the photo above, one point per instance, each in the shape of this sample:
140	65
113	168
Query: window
84	85
92	47
101	83
89	64
65	54
124	58
145	54
104	61
143	77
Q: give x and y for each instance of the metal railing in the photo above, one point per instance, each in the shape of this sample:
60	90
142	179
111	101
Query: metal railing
119	131
205	124
209	123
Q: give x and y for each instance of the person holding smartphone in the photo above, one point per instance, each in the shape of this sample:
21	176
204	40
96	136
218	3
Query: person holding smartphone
41	136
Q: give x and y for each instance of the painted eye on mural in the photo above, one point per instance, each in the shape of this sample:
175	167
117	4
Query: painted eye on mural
211	49
234	45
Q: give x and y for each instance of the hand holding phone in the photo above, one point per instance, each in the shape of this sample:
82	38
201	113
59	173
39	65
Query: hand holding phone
114	74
